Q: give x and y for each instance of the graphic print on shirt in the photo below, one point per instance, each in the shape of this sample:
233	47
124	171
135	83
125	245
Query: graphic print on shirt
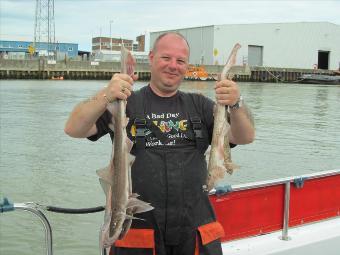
172	126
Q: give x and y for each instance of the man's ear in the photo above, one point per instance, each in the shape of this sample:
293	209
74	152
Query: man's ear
151	55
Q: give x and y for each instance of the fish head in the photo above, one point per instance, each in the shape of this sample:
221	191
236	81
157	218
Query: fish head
111	229
230	62
128	62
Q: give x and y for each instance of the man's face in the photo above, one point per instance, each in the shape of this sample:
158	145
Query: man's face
168	63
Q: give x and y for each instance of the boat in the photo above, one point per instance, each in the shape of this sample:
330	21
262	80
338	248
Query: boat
198	73
319	79
288	216
60	78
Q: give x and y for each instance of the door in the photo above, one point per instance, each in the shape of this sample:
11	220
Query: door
255	55
323	59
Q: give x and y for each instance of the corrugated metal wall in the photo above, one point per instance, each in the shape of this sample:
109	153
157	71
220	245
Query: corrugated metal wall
294	45
285	45
200	40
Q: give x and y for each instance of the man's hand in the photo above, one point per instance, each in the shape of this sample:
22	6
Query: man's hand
119	87
227	92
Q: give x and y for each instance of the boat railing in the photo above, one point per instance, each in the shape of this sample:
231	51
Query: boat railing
266	183
232	194
285	228
33	208
36	209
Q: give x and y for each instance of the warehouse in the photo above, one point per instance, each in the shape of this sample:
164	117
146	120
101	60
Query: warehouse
22	49
307	45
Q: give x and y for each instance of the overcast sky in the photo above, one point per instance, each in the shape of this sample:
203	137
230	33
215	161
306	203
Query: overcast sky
76	21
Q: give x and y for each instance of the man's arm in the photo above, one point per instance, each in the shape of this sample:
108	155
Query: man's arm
82	121
241	126
242	129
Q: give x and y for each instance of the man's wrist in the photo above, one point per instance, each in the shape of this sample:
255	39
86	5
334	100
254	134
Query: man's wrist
104	97
238	104
107	101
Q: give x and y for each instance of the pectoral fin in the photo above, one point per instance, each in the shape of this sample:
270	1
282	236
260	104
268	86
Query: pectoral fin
105	174
105	179
138	206
105	186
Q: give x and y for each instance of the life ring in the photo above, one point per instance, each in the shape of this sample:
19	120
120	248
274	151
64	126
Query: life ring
194	74
315	66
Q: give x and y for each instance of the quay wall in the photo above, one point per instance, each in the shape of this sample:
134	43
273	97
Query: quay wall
87	70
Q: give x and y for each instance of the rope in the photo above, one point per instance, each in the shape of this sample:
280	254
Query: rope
276	77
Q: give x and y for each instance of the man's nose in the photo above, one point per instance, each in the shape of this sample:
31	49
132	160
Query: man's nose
173	63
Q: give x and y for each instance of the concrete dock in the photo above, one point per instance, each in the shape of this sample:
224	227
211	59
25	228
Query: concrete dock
95	70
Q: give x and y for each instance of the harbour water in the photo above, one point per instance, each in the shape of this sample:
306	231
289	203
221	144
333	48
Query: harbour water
297	132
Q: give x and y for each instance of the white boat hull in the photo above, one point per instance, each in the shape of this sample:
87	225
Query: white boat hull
321	238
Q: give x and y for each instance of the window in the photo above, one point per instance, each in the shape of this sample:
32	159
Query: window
70	48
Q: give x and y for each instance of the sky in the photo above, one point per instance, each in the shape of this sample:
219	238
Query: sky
77	21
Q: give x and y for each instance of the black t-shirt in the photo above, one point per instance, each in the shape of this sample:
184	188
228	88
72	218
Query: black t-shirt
169	114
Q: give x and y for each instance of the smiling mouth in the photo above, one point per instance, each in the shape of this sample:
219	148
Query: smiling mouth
171	74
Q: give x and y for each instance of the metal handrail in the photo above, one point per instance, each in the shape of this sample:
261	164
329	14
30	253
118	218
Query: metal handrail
33	208
285	228
260	184
282	181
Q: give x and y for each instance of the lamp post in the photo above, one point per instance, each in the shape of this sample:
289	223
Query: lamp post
111	21
100	39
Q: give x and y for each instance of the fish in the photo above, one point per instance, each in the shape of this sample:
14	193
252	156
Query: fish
121	203
220	156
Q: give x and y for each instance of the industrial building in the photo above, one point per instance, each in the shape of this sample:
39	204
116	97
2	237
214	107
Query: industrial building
113	44
21	49
100	44
307	45
108	49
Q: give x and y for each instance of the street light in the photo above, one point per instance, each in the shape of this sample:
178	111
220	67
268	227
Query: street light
111	21
100	39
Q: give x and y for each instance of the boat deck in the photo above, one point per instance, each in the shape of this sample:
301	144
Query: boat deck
312	239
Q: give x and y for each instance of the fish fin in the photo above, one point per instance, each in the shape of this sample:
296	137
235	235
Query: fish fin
130	217
111	126
230	167
131	159
105	174
129	144
126	122
104	185
138	206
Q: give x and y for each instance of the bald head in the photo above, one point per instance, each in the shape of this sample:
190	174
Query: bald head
160	37
168	63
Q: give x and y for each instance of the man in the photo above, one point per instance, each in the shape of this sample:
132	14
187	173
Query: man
170	169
